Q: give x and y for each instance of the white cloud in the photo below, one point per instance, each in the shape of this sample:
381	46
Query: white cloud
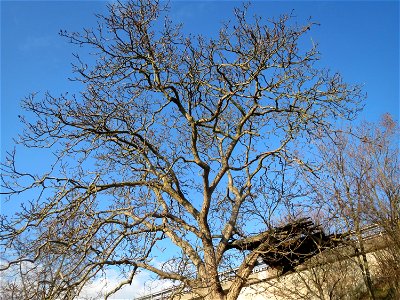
142	284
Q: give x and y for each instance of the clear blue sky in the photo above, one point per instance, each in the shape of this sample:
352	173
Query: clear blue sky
359	39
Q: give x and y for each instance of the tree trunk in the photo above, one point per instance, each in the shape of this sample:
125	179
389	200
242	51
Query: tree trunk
215	296
364	266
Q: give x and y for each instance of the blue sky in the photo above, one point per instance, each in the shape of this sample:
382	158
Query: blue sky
359	39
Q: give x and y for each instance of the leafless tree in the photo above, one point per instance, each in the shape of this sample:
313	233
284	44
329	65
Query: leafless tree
327	278
31	281
361	187
176	143
382	201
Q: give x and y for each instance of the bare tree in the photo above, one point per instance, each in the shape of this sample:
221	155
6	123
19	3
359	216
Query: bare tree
324	279
382	197
175	142
360	188
35	280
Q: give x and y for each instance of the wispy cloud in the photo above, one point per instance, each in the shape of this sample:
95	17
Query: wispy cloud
141	285
36	42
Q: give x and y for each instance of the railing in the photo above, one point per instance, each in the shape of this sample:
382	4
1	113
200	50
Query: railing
225	276
161	295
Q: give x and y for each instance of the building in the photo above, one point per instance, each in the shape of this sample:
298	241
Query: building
334	271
